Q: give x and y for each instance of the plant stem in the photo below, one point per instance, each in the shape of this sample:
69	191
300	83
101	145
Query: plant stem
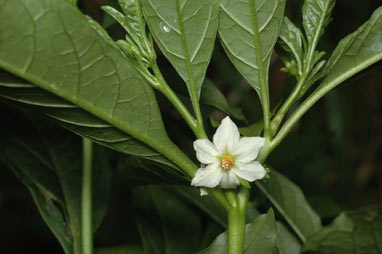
236	222
86	199
174	99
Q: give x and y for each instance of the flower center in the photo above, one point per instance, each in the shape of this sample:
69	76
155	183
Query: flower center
226	162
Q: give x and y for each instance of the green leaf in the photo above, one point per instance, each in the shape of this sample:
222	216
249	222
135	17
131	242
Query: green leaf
286	242
260	237
290	47
289	200
74	118
355	52
166	224
212	96
316	16
248	31
352	232
253	130
185	32
51	44
47	160
207	203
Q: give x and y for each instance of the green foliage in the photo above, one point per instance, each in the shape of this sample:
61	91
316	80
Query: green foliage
355	52
185	31
260	237
248	31
160	219
289	200
56	60
90	74
351	232
47	159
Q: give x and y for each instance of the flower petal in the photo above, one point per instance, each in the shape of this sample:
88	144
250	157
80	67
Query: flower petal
248	148
206	152
249	171
203	192
209	176
229	180
226	136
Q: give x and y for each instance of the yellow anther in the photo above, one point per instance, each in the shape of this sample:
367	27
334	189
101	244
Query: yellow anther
226	162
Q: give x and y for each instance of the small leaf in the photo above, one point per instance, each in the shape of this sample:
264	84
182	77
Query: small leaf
316	16
352	232
248	31
260	237
290	47
289	200
212	96
253	130
185	32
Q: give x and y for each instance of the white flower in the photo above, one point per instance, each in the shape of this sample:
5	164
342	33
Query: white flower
227	158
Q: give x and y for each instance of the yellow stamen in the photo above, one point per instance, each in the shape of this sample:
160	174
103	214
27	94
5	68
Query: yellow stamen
226	162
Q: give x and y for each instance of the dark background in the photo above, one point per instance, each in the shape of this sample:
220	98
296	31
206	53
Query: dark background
334	154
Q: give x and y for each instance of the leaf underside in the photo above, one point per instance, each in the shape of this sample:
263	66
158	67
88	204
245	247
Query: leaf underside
243	30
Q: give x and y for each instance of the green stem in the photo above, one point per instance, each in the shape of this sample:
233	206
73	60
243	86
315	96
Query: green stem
86	199
304	107
174	99
236	222
287	104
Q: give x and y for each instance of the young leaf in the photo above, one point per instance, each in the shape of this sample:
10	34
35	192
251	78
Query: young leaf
289	200
75	119
185	32
51	44
166	224
212	96
260	237
248	31
352	232
48	161
316	16
355	52
290	47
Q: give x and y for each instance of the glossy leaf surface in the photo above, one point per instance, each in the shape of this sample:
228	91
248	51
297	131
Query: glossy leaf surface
248	31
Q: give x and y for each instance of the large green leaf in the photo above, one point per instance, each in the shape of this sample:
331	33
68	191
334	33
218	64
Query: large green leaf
185	31
355	52
166	224
352	232
74	118
51	44
289	200
48	161
260	237
248	31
